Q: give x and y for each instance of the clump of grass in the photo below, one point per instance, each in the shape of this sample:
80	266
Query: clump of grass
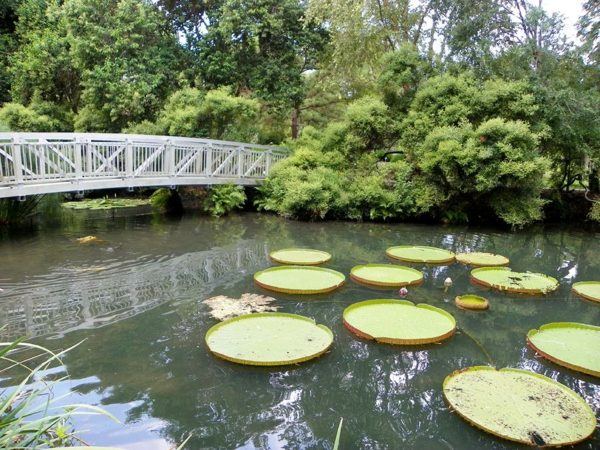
106	203
29	416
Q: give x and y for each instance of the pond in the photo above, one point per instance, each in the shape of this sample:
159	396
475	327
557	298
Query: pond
134	301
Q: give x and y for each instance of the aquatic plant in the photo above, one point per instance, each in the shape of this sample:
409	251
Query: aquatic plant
269	339
505	279
519	406
386	275
105	203
470	301
13	211
299	279
399	322
589	290
29	416
482	259
569	344
420	254
300	256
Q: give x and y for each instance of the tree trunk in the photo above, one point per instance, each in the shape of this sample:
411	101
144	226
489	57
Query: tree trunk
295	122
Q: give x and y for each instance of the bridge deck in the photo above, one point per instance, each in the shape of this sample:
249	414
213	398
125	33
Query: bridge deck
40	163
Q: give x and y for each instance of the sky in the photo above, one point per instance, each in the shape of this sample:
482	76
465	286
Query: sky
570	9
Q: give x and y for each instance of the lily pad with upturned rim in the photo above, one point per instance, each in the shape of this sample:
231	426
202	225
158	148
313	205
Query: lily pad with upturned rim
482	259
299	279
569	344
300	256
504	279
420	254
470	301
389	275
268	339
520	406
399	322
590	290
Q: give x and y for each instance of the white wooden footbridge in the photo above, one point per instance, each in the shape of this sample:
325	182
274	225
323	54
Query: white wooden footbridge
43	163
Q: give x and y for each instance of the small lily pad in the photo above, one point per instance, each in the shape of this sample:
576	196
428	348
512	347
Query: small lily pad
470	301
519	406
482	259
268	339
300	256
420	254
386	275
399	322
589	290
504	279
299	279
569	344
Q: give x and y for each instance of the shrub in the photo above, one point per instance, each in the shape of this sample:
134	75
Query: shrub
224	198
41	117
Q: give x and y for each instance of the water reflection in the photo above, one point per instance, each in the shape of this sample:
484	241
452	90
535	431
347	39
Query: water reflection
150	365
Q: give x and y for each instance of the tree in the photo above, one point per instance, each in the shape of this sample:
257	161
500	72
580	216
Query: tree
589	29
262	47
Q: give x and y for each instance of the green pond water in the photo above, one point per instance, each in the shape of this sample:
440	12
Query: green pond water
134	299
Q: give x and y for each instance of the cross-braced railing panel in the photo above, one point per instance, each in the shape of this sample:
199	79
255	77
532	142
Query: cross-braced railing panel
33	163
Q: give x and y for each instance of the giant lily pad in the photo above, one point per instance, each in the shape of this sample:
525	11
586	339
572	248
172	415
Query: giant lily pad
300	256
268	339
520	406
569	344
299	279
399	322
386	275
470	301
505	279
588	289
420	254
482	259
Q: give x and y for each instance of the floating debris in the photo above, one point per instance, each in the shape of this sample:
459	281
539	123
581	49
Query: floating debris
88	240
223	307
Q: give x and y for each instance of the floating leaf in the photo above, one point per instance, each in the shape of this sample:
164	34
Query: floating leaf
520	406
223	307
300	256
482	259
589	290
386	275
470	301
106	203
299	279
399	322
420	254
505	279
569	344
268	339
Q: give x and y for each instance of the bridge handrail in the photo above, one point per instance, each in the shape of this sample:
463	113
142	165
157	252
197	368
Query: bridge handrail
32	163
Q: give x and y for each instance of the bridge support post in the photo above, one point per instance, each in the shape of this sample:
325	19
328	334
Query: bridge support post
169	158
239	162
128	159
17	160
77	159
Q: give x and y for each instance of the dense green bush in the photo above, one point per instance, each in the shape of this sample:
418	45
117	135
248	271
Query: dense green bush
215	114
224	198
41	116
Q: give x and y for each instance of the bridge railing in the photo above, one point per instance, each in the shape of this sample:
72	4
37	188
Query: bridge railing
36	158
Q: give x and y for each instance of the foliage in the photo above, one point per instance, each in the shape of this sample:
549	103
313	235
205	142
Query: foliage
160	198
105	203
262	46
215	114
28	415
224	198
42	116
594	213
13	211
